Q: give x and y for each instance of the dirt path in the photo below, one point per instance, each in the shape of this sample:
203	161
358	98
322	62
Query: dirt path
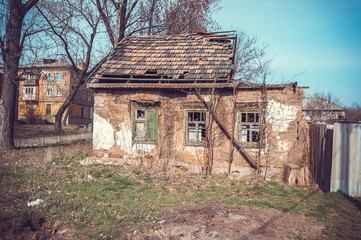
217	221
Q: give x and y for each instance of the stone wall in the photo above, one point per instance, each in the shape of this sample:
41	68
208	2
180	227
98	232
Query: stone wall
286	132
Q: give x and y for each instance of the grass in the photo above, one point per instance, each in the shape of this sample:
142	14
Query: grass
31	130
104	201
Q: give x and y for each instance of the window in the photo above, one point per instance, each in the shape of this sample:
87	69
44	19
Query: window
50	76
48	109
249	127
89	98
248	123
84	96
59	76
30	76
82	112
145	122
195	126
49	92
29	90
58	92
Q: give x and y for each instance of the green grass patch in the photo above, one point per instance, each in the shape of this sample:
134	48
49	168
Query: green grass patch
111	203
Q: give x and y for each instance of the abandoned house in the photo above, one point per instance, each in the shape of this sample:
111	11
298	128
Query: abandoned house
171	102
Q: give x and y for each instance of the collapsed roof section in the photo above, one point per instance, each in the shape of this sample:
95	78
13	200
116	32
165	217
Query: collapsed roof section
161	61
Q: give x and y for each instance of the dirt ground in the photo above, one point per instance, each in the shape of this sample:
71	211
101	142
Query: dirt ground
216	221
209	220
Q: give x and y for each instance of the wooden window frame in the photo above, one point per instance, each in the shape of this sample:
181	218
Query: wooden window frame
248	119
199	126
150	121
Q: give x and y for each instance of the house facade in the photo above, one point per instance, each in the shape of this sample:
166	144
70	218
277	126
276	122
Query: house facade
43	90
322	110
170	102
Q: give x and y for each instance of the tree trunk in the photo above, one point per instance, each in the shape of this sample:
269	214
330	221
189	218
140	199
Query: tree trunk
296	175
63	108
123	12
11	56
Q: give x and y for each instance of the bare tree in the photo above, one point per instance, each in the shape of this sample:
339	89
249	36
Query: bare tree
73	27
13	35
353	113
250	59
127	17
188	16
323	106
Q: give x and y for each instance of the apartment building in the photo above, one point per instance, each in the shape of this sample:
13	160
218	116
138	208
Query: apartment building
43	90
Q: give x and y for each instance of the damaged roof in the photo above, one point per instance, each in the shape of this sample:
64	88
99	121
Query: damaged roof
187	58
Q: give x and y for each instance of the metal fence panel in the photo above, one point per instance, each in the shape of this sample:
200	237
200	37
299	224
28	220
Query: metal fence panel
346	157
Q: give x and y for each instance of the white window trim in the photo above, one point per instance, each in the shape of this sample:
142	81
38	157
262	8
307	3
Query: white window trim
49	93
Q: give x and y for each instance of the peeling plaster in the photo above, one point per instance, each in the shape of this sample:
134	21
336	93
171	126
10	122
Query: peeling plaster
103	135
283	145
280	115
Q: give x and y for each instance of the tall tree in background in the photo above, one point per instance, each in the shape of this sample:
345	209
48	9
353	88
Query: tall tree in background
73	26
188	16
13	34
127	17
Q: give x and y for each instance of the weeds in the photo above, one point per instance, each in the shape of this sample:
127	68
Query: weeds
113	203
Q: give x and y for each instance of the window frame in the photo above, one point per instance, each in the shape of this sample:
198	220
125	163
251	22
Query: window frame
82	112
47	109
244	111
50	76
203	116
49	92
58	92
150	122
59	78
32	92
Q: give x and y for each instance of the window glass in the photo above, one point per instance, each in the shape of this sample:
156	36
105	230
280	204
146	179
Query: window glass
59	76
49	92
58	92
145	124
50	76
248	127
48	109
195	128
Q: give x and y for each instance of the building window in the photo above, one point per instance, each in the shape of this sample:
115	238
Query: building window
145	123
79	96
48	109
49	92
248	123
82	112
50	77
29	90
30	76
89	98
248	131
195	126
58	92
59	76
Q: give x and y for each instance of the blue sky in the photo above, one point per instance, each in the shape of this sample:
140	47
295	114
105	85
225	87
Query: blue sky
319	38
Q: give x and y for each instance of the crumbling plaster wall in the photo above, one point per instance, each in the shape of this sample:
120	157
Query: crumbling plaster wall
285	130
